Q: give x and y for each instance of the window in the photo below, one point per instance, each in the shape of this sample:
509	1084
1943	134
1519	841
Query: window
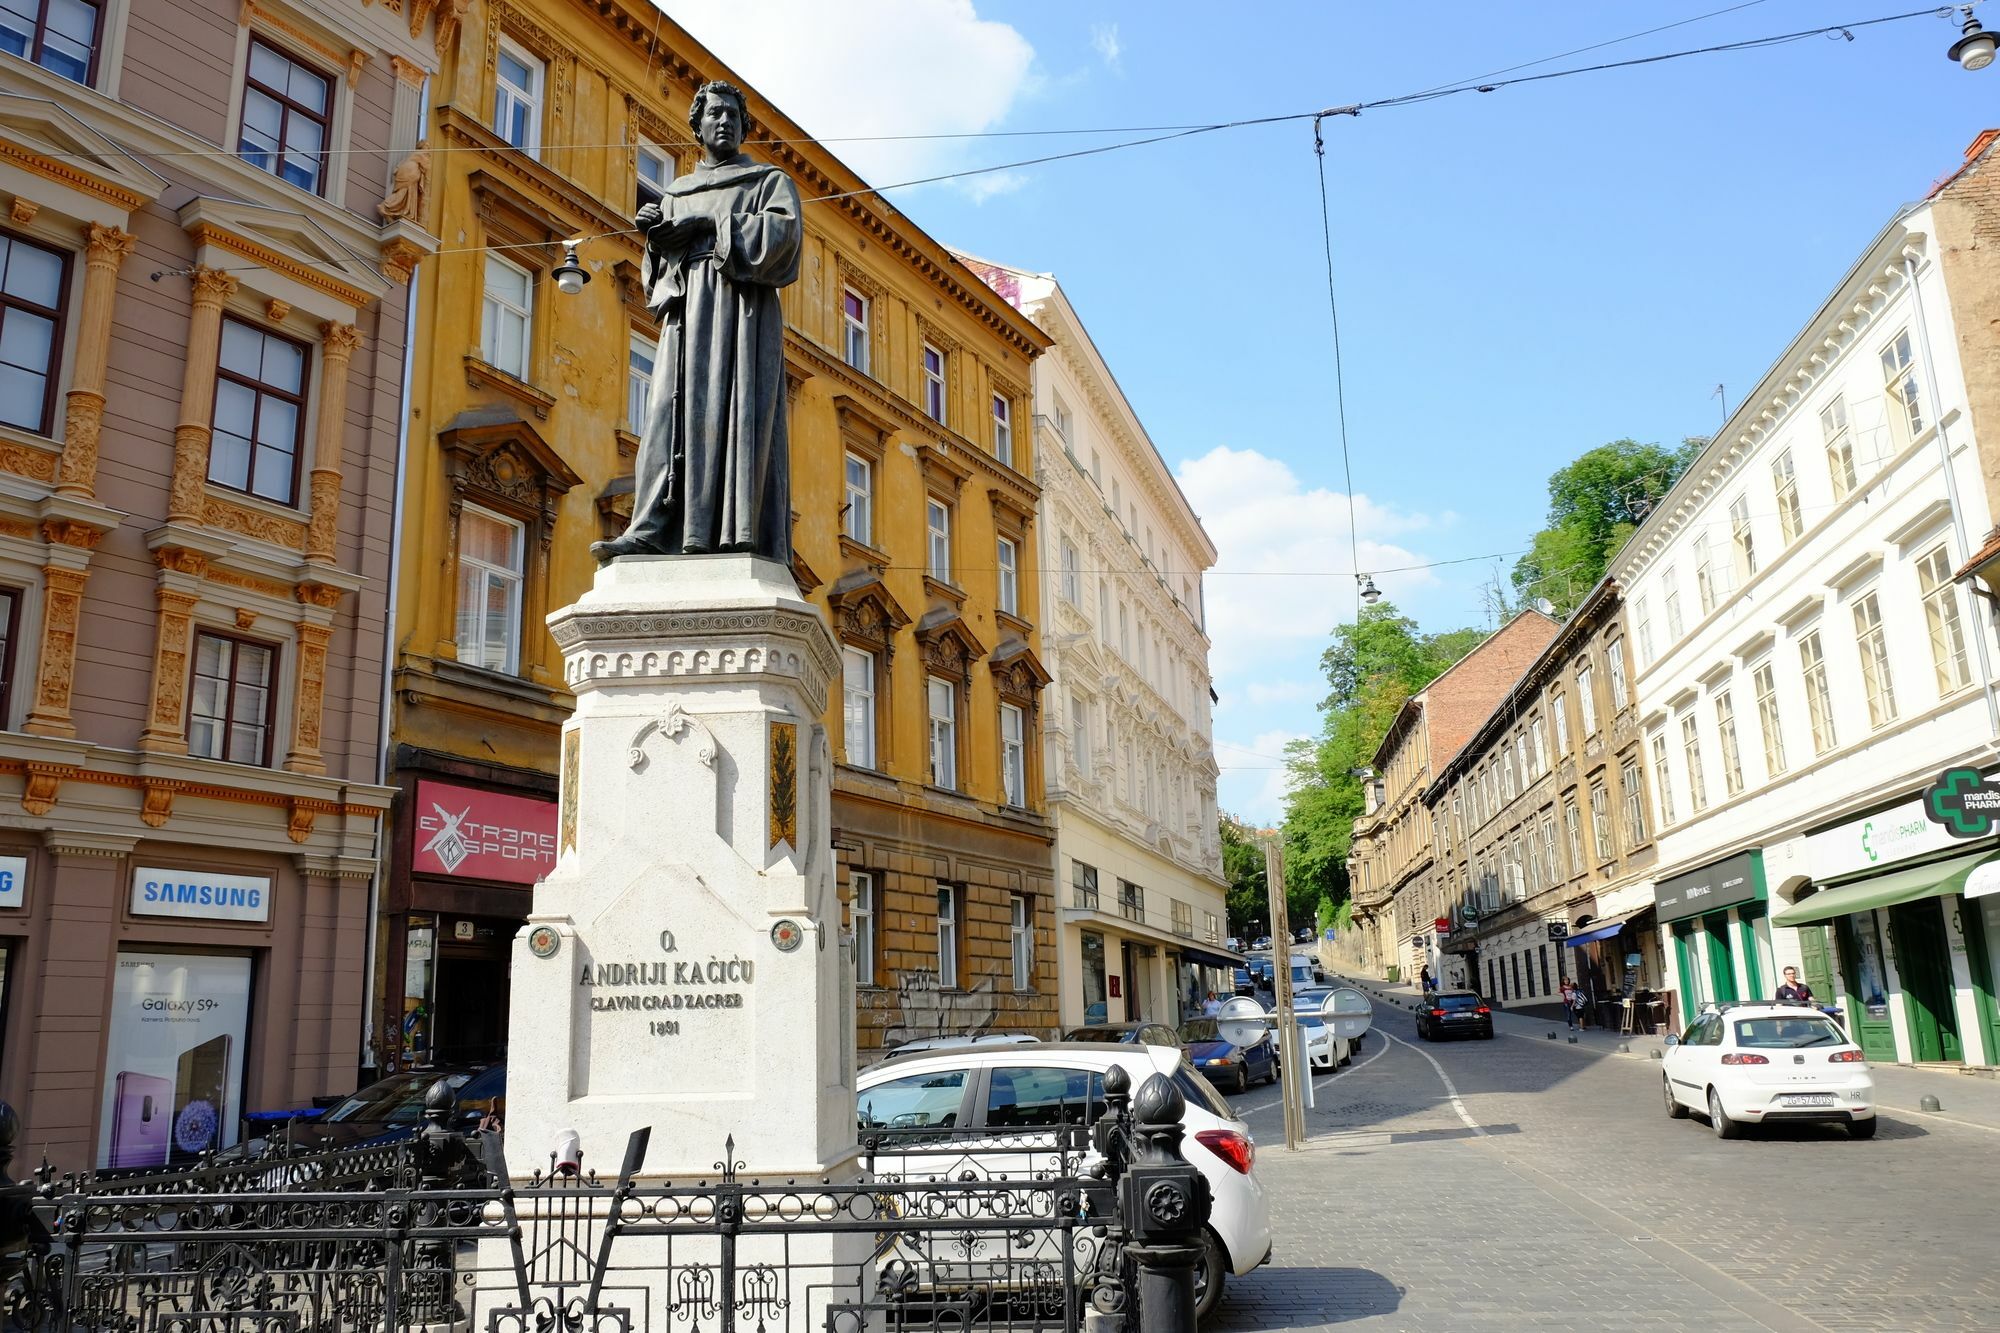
1071	583
1083	884
1103	608
517	97
1535	881
1725	735
1021	932
32	282
1079	735
1013	756
857	691
1131	901
1663	779
1791	519
229	713
944	733
1874	648
10	633
1559	705
934	384
58	35
928	1100
1742	539
1704	574
489	590
1941	616
1839	446
640	359
1010	576
1531	737
506	314
1819	701
1125	631
260	413
1672	580
1573	834
1635	802
1766	687
1691	750
1614	657
656	170
1003	430
1042	1097
1600	821
1642	622
937	524
947	936
287	116
858	522
1586	697
1899	380
854	324
1059	418
861	912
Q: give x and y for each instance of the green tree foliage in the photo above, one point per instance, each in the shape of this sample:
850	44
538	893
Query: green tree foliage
1595	504
1243	867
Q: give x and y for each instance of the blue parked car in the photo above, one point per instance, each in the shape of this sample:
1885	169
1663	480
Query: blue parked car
1226	1064
1245	983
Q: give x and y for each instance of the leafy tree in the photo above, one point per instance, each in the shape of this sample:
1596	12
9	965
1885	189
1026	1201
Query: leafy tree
1595	503
1243	867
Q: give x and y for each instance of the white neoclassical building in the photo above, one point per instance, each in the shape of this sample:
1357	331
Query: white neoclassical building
1806	668
1130	762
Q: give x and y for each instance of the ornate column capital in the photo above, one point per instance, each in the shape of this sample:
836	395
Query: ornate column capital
213	286
107	245
339	340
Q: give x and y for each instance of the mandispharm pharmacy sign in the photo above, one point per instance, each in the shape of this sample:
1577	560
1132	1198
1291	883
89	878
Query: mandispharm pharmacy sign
192	895
1876	841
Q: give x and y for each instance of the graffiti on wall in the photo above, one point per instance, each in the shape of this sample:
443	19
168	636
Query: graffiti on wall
917	1007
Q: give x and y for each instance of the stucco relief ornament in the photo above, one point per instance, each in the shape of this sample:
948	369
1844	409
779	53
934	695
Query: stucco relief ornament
409	186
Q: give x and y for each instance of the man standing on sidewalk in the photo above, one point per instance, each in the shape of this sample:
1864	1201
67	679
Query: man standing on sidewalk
1794	991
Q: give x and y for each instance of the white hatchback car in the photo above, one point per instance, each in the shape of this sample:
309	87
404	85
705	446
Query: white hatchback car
1009	1089
1752	1064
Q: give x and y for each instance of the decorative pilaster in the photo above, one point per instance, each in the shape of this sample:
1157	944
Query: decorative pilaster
337	342
104	250
63	578
316	603
212	287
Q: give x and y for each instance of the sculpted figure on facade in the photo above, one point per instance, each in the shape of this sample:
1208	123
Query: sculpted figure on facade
409	186
714	470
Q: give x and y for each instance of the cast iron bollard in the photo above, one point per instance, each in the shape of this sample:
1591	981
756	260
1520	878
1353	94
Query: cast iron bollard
1163	1204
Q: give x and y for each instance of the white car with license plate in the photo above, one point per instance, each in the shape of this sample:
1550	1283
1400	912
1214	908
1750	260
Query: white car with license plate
1323	1049
987	1098
1753	1064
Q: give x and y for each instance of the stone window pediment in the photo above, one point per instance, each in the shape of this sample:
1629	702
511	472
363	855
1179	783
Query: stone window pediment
948	644
499	460
864	612
1018	673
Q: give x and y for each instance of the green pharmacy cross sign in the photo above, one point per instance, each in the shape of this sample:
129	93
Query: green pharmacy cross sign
1964	802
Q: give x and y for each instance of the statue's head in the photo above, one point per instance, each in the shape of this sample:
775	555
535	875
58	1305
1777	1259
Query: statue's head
720	118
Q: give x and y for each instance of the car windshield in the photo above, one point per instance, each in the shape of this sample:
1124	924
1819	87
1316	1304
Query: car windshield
1787	1033
398	1100
1200	1092
1095	1034
1200	1029
1456	1002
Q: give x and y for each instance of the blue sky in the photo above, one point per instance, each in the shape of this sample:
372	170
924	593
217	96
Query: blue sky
1522	275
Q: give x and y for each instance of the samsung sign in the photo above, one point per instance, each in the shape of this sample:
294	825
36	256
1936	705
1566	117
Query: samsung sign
200	895
13	880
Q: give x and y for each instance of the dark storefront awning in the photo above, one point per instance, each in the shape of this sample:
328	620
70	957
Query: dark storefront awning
1204	958
1602	930
1935	880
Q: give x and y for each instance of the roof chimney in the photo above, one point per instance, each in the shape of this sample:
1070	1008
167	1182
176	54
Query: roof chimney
1981	144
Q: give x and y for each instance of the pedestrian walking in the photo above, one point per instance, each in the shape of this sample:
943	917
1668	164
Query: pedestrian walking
1211	1006
1428	981
1572	1002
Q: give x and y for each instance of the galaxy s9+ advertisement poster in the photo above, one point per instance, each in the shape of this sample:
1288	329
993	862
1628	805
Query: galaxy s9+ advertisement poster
174	1077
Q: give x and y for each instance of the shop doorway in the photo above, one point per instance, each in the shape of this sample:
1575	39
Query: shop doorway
469	1024
1929	999
1860	940
1721	958
1816	962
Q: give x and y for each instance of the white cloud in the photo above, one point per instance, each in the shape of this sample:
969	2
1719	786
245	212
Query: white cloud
1264	693
888	67
1104	41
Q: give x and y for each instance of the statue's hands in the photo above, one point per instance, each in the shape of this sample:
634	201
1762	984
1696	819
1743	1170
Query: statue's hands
687	230
648	218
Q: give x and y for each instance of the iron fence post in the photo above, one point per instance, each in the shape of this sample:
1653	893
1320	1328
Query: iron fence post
1163	1205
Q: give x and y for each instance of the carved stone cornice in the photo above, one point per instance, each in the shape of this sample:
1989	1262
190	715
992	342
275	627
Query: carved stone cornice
865	613
947	644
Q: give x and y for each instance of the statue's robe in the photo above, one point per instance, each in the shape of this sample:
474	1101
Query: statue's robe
714	472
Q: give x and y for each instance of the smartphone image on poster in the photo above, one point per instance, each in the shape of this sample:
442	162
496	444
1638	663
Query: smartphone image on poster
141	1120
200	1100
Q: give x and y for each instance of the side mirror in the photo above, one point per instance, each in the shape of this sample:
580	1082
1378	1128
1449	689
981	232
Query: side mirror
1672	1040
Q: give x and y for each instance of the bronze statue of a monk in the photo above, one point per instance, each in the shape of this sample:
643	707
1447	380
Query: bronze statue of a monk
714	466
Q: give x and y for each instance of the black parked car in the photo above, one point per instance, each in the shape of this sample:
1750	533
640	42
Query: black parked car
388	1110
1455	1013
1143	1034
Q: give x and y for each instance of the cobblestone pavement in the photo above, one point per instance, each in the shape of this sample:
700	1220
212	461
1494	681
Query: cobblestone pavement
1520	1184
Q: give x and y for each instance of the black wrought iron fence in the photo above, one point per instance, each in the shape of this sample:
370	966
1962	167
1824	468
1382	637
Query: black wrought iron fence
1061	1228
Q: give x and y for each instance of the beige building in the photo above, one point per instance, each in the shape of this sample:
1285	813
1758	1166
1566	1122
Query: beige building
199	409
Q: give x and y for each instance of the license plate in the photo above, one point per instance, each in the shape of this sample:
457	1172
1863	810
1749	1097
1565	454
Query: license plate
1808	1099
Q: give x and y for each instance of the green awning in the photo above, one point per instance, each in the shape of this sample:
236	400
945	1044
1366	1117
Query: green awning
1900	886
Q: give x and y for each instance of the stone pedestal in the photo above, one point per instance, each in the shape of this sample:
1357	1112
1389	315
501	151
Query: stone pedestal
682	968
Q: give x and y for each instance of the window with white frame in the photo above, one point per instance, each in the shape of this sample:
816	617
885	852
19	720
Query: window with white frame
854	327
1725	735
947	936
1600	821
857	692
1003	429
937	528
1764	682
518	80
1103	609
1009	557
859	520
1742	538
862	914
1673	599
1663	779
1013	755
656	171
1021	937
1947	634
1549	853
1635	802
1642	626
641	358
1559	705
62	36
1691	755
1586	697
231	687
1704	574
1573	833
1534	847
507	312
1819	700
1072	590
1124	631
490	569
943	696
934	384
1785	482
1899	381
1531	737
1614	663
1079	734
1873	645
1839	441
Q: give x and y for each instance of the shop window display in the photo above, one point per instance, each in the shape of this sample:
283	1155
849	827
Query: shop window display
173	1077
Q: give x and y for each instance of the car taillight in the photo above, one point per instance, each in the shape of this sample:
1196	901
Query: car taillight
1437	1013
1847	1058
1232	1147
1738	1058
1483	1009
